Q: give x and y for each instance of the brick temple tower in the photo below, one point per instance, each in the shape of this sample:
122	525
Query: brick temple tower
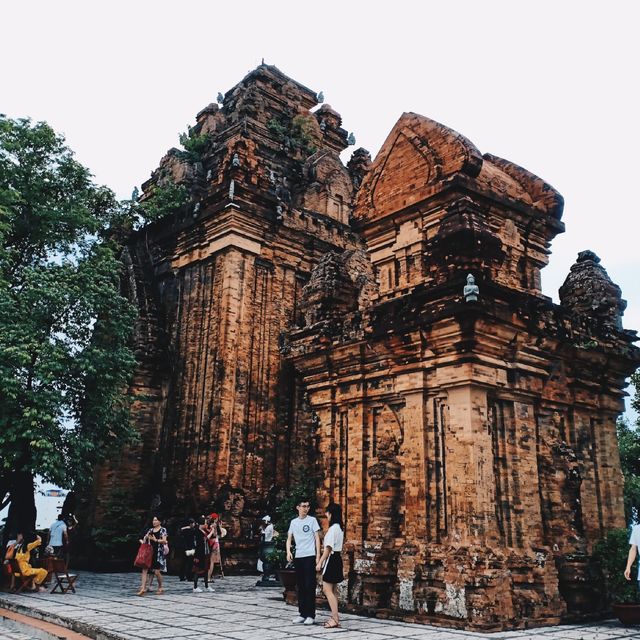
294	311
470	438
218	285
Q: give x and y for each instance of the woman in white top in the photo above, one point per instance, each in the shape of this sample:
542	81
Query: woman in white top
331	562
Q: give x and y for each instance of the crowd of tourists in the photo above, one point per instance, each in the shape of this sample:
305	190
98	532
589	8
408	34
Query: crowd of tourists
199	545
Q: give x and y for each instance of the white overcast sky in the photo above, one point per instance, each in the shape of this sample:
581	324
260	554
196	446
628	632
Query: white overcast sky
552	86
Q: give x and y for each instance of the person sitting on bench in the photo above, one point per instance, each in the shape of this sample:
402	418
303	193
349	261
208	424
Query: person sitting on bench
23	556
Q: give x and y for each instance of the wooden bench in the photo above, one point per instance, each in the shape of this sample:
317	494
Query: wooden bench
18	581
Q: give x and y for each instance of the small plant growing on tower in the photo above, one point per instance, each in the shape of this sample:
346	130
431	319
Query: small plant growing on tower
296	135
194	144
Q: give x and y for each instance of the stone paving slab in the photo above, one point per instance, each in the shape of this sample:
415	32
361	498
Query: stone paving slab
105	607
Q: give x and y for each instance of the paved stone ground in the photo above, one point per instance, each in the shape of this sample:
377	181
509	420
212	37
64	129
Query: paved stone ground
7	633
106	607
12	634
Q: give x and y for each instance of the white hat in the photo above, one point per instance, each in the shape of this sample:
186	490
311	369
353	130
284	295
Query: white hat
266	519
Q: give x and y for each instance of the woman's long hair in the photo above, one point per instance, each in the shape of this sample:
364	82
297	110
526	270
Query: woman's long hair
27	539
336	514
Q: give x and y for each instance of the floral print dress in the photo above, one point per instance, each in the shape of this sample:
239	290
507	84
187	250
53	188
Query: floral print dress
159	559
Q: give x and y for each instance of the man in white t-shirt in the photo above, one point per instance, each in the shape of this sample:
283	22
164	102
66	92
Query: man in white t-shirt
634	541
303	530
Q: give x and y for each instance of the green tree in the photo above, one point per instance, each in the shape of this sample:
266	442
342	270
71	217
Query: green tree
611	554
65	329
629	445
303	489
112	544
164	199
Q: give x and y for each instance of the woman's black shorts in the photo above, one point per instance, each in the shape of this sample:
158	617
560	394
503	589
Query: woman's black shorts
333	569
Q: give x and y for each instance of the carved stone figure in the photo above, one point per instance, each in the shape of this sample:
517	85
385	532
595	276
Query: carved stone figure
471	289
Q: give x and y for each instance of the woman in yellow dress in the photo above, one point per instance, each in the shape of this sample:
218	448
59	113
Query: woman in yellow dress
23	556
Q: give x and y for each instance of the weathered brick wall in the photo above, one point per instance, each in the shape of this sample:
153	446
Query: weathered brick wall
218	284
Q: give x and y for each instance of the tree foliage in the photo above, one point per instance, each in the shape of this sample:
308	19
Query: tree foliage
64	328
303	489
163	200
112	541
611	554
629	445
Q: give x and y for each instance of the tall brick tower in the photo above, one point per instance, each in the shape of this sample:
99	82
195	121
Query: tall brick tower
218	284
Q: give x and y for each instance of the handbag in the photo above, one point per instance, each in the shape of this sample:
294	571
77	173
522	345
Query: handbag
165	549
144	556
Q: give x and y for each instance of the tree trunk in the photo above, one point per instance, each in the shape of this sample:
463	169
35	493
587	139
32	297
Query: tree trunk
22	510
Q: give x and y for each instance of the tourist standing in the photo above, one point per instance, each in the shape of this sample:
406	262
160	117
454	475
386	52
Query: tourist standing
201	556
267	534
188	546
634	541
213	538
72	528
157	538
331	562
303	531
58	537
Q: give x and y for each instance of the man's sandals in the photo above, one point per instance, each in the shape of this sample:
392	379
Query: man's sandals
332	623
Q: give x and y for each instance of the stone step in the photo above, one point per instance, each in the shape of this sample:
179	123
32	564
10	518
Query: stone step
16	626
